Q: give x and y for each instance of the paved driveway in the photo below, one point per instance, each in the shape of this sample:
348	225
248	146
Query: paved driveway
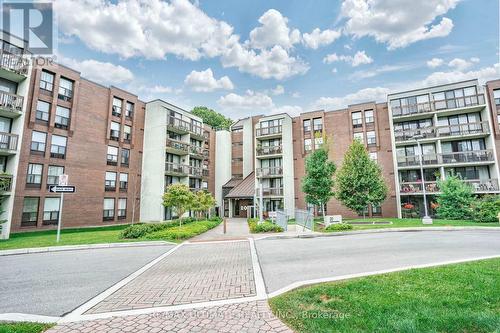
285	261
55	283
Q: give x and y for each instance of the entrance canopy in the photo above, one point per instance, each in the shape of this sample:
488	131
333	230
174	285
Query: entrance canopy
244	190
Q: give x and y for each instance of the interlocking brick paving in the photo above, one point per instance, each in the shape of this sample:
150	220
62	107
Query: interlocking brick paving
193	273
243	317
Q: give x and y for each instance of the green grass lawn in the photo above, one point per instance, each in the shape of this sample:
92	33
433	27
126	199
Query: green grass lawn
454	298
405	223
23	327
68	237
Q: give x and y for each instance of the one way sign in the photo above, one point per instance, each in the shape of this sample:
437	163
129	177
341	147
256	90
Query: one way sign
62	189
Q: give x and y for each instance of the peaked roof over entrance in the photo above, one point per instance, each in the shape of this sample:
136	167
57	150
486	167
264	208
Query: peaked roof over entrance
245	189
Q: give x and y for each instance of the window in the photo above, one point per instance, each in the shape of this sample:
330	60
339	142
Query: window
123	181
307	145
122	208
357	119
318	124
30	212
109	209
47	81
373	156
307	125
376	210
117	107
115	131
318	142
50	211
369	119
496	96
370	138
62	117
125	157
38	140
237	129
112	155
53	174
129	111
359	136
65	89
34	176
127	133
58	146
110	182
42	111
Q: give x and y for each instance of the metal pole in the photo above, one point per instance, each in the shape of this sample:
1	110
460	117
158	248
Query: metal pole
426	219
60	218
261	204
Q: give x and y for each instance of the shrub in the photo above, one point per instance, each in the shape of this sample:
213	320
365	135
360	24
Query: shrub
266	226
486	209
339	227
455	200
142	229
185	231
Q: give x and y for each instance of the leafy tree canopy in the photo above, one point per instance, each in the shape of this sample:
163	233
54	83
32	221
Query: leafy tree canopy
456	199
180	198
212	118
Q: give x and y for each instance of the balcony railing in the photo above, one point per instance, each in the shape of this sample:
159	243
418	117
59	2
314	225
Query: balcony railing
263	131
179	124
176	168
446	104
266	172
195	171
478	185
269	150
483	185
8	141
11	102
474	156
443	131
5	183
14	62
178	145
197	150
272	191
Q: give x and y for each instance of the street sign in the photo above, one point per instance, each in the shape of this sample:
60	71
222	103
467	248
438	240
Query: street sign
63	180
62	189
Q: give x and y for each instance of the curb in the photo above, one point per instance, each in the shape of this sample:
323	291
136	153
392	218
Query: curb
81	247
378	231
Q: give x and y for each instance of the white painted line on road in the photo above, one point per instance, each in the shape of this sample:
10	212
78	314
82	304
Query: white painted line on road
23	317
136	312
299	284
260	287
99	298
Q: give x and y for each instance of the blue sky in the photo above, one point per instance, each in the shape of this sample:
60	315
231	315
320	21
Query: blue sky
260	57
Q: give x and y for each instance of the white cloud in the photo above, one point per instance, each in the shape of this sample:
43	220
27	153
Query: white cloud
435	62
335	70
147	28
274	63
365	74
295	94
102	72
319	38
483	74
378	94
273	31
460	64
204	81
475	60
397	23
251	100
292	110
278	90
359	58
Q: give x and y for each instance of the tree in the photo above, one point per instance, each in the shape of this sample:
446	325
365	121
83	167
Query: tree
486	209
359	181
212	118
207	201
180	198
455	200
317	184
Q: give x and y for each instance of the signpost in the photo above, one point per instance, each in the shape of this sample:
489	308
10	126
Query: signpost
62	188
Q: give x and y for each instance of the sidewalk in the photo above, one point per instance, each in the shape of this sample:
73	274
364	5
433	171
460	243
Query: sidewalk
236	228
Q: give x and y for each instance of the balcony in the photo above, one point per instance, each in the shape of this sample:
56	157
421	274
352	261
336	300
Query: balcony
469	129
205	173
269	172
269	131
5	183
416	187
198	151
272	192
195	172
177	147
269	150
483	185
8	143
441	105
197	132
177	125
13	67
176	169
463	157
431	187
11	105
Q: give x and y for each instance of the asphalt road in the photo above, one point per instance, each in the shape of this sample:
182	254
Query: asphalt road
54	283
284	261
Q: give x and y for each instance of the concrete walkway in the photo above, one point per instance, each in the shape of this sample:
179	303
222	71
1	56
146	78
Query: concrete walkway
236	228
